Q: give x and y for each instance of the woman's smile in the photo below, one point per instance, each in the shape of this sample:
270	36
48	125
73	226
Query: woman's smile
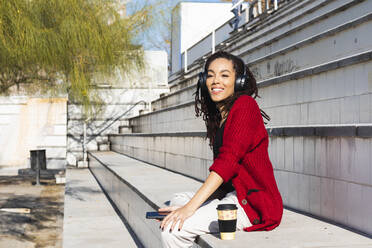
216	90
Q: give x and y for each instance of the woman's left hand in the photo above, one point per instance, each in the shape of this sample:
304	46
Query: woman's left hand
178	215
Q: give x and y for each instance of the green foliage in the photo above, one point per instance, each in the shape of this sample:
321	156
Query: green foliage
58	45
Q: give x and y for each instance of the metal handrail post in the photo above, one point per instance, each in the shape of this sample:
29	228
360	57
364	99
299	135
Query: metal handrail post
247	13
116	119
85	141
38	170
213	41
185	61
275	4
259	6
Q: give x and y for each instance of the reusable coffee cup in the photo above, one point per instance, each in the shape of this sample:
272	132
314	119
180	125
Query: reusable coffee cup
227	215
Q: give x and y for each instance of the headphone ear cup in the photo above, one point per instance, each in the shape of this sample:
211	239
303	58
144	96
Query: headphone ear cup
240	83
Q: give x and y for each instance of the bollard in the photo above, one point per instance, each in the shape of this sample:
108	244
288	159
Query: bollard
38	162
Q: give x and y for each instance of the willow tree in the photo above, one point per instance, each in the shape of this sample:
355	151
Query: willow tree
59	45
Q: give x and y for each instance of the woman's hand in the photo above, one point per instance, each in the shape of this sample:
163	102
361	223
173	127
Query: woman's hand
178	214
167	209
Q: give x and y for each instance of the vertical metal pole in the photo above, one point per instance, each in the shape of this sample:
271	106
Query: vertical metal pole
186	61
259	7
37	169
275	4
213	41
247	13
267	4
85	141
150	92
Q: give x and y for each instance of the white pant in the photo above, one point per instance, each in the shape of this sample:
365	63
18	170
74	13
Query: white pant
204	220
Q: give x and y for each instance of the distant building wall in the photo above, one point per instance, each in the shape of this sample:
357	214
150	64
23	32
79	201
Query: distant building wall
32	123
119	93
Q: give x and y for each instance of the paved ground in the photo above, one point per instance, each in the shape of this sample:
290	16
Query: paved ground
42	228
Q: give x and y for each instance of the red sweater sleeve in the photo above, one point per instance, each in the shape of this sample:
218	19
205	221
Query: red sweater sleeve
243	132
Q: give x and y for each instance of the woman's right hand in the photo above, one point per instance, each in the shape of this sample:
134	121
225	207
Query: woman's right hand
167	209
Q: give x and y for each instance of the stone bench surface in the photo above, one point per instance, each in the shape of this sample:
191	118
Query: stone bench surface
155	183
89	218
296	230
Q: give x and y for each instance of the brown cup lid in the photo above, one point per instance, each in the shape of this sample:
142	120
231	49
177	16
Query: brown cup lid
227	207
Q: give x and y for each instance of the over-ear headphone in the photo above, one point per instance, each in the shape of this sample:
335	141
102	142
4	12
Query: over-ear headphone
240	81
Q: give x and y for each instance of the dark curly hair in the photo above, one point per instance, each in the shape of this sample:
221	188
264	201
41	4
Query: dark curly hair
205	107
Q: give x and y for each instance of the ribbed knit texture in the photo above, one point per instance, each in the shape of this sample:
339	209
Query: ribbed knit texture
244	158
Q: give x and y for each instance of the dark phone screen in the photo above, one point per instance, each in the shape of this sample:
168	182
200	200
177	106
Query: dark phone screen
156	215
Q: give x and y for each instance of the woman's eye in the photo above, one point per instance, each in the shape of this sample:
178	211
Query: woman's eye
209	76
225	75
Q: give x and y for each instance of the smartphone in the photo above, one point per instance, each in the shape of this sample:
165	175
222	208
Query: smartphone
156	215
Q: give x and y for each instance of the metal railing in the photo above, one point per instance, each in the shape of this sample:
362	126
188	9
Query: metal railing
93	136
220	34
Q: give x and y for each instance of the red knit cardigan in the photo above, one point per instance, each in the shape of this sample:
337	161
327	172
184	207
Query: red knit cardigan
243	157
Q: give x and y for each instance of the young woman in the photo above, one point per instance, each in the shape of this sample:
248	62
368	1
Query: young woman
241	172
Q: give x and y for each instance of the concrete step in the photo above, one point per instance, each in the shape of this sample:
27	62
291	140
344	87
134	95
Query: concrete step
125	129
320	175
175	98
173	119
315	19
269	59
89	218
187	153
329	94
134	188
124	122
104	146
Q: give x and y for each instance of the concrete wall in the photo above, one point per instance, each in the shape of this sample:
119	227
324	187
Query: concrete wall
329	177
173	119
188	154
341	96
32	123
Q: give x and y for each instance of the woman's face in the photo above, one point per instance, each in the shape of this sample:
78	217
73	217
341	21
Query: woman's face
220	79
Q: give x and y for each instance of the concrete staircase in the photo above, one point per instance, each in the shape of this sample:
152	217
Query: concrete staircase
312	60
136	187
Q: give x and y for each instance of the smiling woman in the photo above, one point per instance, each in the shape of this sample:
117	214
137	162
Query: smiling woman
241	173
